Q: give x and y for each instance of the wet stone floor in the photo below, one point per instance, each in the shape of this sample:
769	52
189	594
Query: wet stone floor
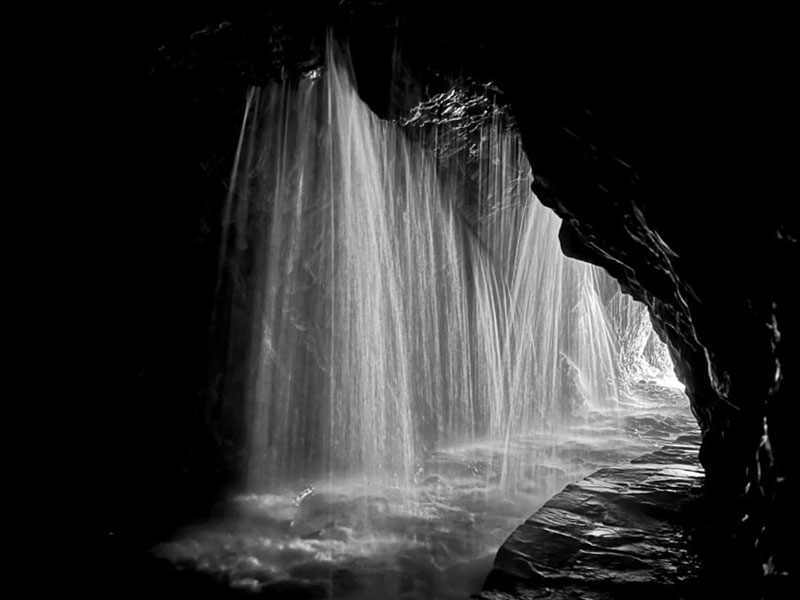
440	540
621	532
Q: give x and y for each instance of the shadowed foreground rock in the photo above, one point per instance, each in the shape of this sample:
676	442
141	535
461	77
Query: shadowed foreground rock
622	532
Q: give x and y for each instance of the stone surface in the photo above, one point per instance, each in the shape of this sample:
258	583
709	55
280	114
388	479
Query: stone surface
621	531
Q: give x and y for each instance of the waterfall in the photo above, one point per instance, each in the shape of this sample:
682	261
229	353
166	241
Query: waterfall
383	304
641	354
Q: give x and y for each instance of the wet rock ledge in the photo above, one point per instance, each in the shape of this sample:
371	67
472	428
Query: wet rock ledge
625	531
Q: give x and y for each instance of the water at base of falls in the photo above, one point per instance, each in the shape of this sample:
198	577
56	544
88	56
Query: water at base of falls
421	365
348	541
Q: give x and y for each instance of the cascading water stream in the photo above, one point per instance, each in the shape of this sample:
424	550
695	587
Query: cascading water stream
389	316
420	364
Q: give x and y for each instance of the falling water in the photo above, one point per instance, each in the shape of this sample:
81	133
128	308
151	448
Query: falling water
641	355
420	364
388	314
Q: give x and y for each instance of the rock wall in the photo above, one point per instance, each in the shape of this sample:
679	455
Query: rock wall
659	181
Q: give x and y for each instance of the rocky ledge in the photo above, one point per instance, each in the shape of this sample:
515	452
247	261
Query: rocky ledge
622	532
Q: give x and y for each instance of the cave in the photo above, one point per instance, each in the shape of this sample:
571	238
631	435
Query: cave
522	287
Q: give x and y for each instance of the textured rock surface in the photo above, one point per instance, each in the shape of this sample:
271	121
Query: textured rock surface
640	530
621	532
655	191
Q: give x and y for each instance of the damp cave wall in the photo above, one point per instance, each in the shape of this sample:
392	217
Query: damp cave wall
663	169
658	143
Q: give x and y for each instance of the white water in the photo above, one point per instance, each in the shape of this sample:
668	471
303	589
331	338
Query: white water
390	316
422	366
349	540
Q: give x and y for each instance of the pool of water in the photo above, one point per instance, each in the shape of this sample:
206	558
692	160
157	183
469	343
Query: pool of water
435	540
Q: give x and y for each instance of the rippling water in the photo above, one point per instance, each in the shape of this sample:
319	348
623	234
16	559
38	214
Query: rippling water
437	540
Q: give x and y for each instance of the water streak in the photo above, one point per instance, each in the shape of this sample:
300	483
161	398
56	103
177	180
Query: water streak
395	302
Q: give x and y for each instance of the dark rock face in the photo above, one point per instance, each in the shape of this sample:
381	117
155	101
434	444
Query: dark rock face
670	214
655	143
